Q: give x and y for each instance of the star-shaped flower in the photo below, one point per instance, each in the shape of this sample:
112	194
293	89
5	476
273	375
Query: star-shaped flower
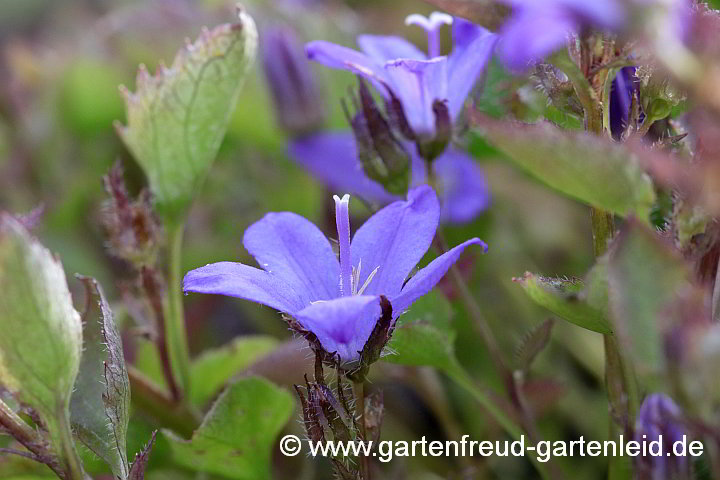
417	80
337	300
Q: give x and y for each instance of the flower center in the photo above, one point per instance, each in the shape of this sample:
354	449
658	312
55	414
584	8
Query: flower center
431	25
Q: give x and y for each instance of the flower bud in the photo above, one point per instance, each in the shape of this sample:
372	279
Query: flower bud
131	226
383	157
431	149
658	95
298	106
659	417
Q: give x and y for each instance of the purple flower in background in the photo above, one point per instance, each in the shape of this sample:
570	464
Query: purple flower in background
623	87
537	28
298	106
428	87
338	301
660	416
332	157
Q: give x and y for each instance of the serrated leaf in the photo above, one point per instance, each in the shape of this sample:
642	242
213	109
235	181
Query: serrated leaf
566	299
592	169
533	343
645	276
99	407
423	335
41	332
137	470
210	371
177	118
237	436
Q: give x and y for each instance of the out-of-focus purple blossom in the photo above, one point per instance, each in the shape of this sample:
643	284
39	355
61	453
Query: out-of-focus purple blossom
332	157
537	28
298	106
338	301
659	417
623	87
422	84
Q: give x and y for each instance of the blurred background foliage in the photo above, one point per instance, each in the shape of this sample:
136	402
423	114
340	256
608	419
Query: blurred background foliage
60	66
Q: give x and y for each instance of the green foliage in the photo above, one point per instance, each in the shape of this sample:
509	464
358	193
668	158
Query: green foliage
211	370
41	340
644	277
591	169
423	336
237	436
88	98
568	299
100	404
178	118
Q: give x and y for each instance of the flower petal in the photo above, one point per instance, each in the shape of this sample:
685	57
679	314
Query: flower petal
465	193
395	239
242	281
344	58
472	48
532	34
342	325
424	280
332	157
383	48
294	250
418	83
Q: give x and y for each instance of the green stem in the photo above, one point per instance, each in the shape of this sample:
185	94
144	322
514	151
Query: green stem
159	403
619	376
585	93
175	332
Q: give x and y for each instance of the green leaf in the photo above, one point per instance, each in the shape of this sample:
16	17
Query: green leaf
41	332
567	299
594	170
99	407
178	118
645	277
210	371
423	335
237	436
532	344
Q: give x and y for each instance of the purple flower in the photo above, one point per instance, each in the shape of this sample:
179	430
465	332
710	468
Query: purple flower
338	301
660	417
537	28
332	157
298	106
419	82
623	86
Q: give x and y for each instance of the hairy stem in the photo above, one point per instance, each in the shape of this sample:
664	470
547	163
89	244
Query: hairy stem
153	290
359	392
159	403
175	332
30	439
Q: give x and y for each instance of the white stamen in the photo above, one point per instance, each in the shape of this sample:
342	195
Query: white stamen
367	282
